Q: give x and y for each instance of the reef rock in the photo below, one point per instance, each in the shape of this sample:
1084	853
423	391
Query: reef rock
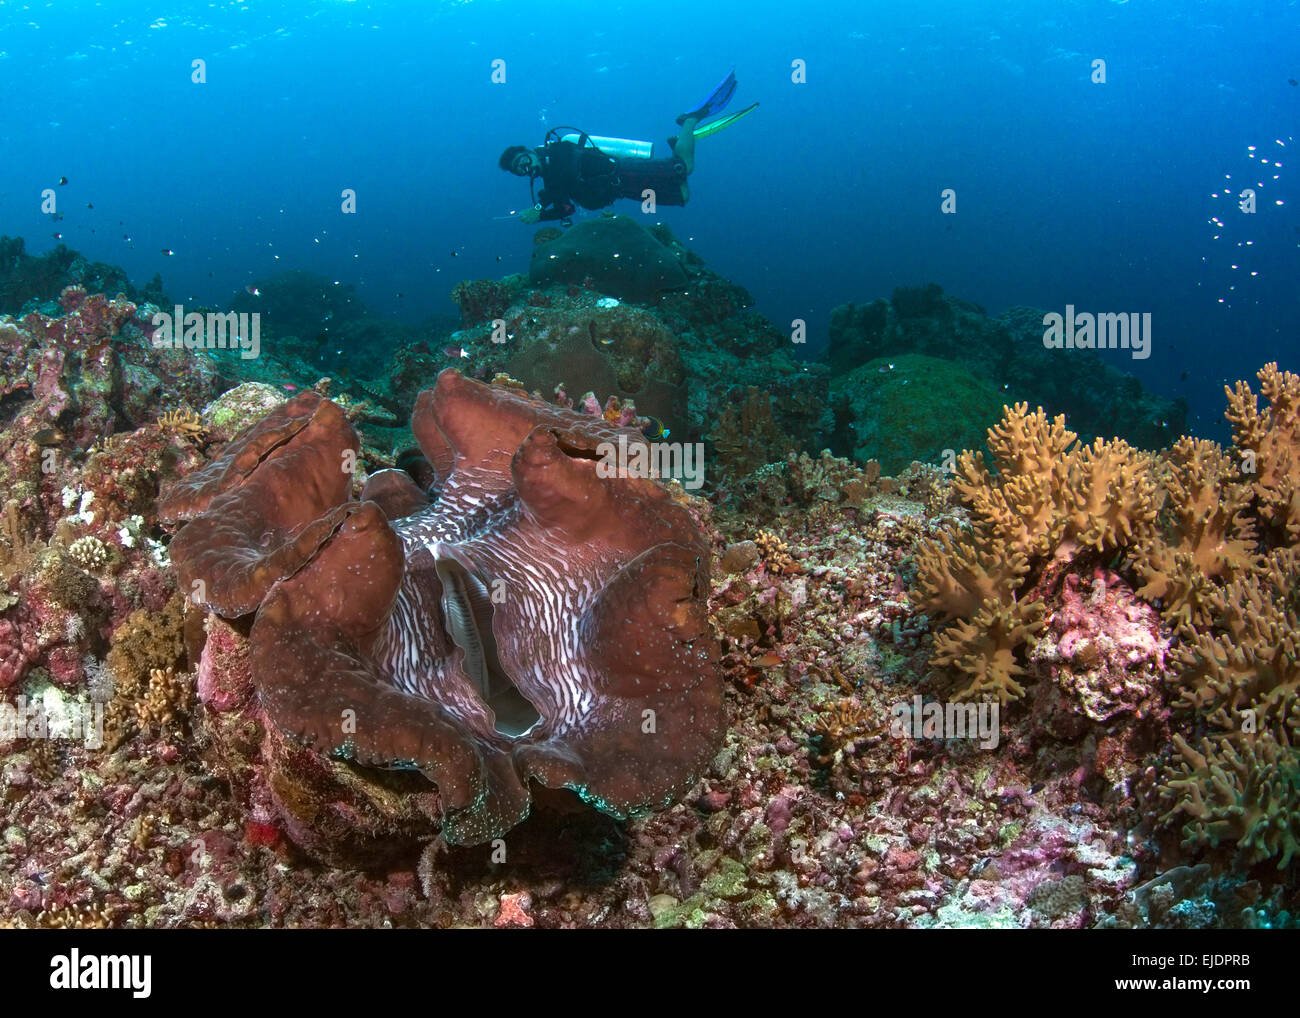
616	254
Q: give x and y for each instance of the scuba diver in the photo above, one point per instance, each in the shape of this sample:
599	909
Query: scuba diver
578	169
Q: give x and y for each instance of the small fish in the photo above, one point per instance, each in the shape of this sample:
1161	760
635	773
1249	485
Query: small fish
454	254
1183	377
289	387
58	236
654	428
89	206
254	291
126	237
400	294
885	369
498	257
166	251
63	181
327	316
49	436
606	340
1292	81
56	217
455	351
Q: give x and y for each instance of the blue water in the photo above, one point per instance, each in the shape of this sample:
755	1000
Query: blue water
1068	191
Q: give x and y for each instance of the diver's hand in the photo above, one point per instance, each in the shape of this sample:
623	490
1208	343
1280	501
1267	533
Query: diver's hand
530	215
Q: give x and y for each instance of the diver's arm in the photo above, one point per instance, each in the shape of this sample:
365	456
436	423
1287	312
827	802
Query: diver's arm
551	210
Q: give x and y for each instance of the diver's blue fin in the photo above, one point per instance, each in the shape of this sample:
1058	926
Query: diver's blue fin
715	103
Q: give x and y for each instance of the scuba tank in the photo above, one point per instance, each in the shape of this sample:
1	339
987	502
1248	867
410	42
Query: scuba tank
620	148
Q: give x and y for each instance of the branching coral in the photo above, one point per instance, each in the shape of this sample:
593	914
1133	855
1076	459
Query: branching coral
167	697
147	643
89	552
775	554
184	422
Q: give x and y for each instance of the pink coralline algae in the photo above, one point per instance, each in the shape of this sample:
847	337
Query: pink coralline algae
1104	647
514	911
13	656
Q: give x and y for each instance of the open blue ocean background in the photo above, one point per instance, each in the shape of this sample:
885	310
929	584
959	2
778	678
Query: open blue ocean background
1068	192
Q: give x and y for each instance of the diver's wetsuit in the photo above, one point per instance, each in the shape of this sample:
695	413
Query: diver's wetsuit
585	175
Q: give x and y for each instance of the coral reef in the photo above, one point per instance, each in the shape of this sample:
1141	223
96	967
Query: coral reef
27	280
1133	617
1211	534
693	358
1007	353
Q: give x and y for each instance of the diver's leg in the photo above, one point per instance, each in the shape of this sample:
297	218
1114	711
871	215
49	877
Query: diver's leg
684	146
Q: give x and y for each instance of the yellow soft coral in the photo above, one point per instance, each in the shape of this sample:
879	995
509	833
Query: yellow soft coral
955	576
1269	442
1023	506
1246	794
1250	662
985	647
1046	500
1205	535
1110	495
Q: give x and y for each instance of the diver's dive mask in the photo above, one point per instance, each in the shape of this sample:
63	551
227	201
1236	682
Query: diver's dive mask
524	165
